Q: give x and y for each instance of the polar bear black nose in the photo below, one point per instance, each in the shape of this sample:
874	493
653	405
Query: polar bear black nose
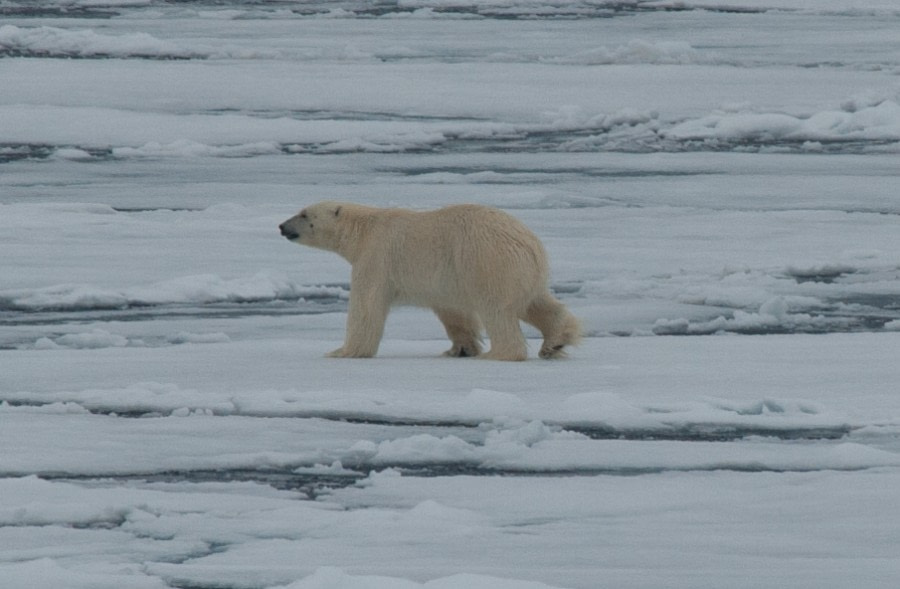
288	232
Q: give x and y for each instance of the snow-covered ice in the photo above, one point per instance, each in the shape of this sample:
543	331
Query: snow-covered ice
716	185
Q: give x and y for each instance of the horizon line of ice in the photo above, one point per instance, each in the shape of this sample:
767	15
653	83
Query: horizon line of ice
73	133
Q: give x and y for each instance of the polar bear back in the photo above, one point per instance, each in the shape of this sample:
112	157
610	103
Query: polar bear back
463	255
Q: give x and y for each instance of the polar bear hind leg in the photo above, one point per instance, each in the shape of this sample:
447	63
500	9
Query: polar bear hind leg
559	327
507	340
464	331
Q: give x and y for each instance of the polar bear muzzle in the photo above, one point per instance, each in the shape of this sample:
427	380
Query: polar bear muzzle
288	232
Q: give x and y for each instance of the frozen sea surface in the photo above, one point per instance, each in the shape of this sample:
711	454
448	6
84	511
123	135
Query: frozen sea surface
725	170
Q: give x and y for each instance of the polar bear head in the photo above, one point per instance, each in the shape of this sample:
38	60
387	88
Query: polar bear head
316	226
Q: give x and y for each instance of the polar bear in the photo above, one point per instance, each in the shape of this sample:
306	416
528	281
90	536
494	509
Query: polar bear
472	265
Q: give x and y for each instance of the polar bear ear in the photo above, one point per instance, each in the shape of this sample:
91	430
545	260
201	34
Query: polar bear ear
337	211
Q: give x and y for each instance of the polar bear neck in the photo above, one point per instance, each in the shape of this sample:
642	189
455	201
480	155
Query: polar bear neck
356	224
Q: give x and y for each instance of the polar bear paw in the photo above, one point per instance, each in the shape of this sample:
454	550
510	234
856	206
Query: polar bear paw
344	353
468	350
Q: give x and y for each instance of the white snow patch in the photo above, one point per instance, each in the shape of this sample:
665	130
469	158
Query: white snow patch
335	578
187	148
638	51
90	340
45	573
73	154
184	337
874	123
55	42
197	289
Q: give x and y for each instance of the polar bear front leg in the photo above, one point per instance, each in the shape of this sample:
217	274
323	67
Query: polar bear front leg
365	322
464	331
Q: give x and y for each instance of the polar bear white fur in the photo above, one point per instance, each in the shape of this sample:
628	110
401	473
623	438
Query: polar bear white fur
473	265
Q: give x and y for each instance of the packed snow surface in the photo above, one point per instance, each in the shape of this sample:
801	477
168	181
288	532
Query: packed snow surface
715	183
